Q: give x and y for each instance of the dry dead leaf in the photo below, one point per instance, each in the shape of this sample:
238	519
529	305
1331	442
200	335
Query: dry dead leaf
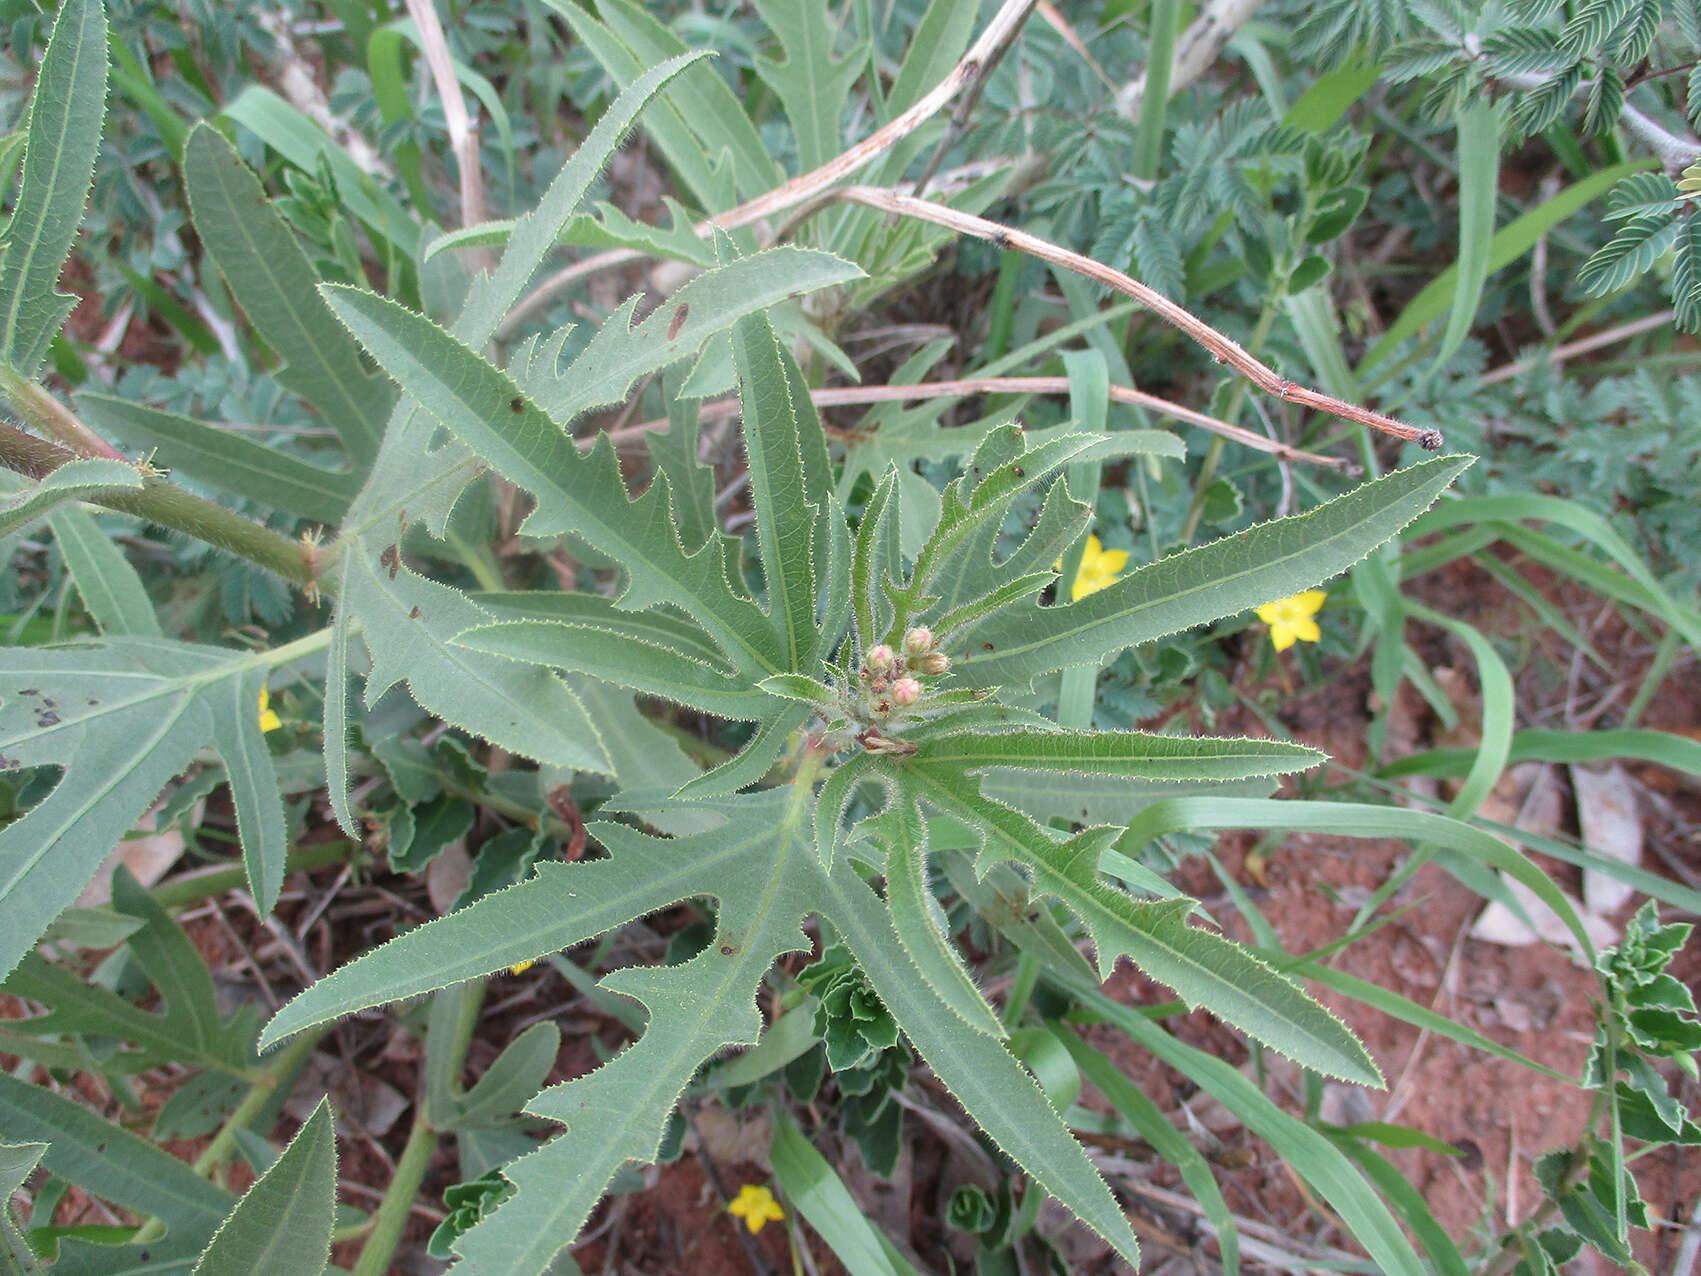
447	875
1611	826
148	856
733	1138
1498	924
367	1102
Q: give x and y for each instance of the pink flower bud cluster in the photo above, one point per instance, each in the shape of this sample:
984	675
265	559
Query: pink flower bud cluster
892	680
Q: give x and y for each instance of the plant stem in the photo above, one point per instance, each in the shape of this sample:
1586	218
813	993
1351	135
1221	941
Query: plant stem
1160	62
394	1209
281	1066
31	401
164	504
1221	348
449	1031
803	784
193	888
838	395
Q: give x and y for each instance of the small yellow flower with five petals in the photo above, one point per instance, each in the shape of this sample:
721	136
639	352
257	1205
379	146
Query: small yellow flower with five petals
756	1206
1099	567
269	720
1290	619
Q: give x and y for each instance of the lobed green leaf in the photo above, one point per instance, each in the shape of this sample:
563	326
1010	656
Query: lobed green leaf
66	113
272	280
122	717
1269	561
1203	968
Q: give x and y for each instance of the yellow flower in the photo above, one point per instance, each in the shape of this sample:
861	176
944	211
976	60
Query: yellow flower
756	1206
269	721
1291	618
1099	567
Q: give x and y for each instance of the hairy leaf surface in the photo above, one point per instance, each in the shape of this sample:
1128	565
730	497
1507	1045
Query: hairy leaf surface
66	113
123	717
272	280
1269	561
758	864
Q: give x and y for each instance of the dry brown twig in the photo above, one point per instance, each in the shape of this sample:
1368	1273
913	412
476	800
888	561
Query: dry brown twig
1221	348
463	132
813	189
993	40
1196	50
1571	349
841	396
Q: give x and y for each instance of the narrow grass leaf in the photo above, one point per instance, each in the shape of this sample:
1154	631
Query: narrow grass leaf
1128	1101
1405	1198
1478	134
1510	242
817	1193
1353	819
1324	1166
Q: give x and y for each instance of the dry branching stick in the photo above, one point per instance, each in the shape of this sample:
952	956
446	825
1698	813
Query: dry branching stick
837	396
1221	348
463	132
991	44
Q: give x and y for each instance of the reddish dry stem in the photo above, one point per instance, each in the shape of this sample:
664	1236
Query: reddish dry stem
1223	349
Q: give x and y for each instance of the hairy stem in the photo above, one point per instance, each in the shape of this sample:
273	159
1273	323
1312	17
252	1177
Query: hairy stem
34	404
397	1204
280	1068
167	505
835	396
1221	348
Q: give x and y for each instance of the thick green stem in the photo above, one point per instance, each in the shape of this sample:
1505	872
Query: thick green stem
164	504
803	784
278	1069
454	1018
1154	107
34	404
393	1211
182	891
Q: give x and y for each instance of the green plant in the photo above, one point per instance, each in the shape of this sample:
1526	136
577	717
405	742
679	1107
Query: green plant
898	709
1648	1018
